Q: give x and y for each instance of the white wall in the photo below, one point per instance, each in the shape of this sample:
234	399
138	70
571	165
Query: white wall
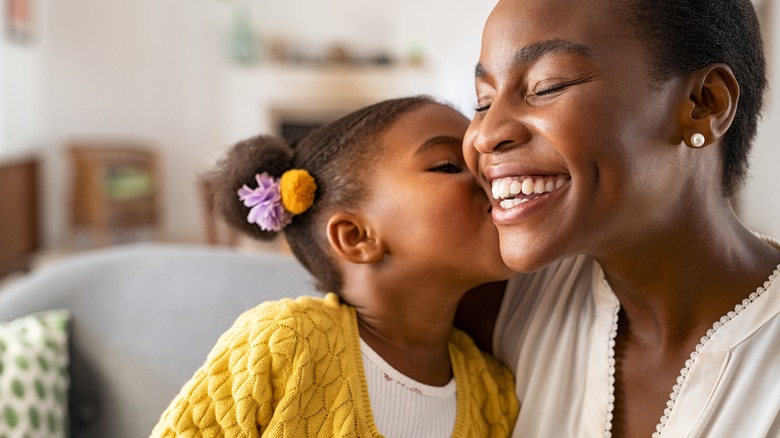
448	31
157	70
3	143
145	69
21	91
759	202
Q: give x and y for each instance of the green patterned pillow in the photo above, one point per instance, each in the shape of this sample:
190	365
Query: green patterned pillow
34	375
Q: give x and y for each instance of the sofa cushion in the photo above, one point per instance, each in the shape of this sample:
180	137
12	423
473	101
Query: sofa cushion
34	375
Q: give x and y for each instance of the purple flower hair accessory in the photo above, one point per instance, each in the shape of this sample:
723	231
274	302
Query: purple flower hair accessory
265	201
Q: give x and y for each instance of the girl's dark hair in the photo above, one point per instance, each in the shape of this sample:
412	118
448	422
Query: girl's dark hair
685	35
339	155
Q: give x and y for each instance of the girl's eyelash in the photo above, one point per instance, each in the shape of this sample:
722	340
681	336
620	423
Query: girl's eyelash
447	166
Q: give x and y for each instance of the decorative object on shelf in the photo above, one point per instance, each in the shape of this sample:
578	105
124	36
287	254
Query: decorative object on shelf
338	54
19	20
416	55
277	50
244	43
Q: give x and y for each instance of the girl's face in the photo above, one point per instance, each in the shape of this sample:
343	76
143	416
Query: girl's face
574	139
428	207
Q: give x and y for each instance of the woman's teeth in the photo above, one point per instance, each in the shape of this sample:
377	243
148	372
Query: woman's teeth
515	191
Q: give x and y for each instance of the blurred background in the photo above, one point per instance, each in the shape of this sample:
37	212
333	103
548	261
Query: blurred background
110	109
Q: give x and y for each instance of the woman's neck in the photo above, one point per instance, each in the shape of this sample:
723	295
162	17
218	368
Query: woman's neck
677	284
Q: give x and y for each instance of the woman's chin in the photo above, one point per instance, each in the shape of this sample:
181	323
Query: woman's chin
520	259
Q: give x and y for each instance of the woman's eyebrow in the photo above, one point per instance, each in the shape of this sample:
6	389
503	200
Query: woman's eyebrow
438	140
535	51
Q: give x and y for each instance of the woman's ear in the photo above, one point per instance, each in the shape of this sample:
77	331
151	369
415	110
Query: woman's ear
353	239
711	105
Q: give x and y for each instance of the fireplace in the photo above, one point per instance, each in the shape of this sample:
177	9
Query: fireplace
294	130
293	123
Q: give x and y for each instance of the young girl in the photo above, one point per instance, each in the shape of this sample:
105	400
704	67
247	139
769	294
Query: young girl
381	209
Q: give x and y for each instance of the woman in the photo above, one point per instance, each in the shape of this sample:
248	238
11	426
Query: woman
611	134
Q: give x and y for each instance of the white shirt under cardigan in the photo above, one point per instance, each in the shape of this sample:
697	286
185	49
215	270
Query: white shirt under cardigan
403	407
553	330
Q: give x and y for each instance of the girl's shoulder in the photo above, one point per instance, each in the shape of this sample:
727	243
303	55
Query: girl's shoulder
290	312
302	330
287	306
282	324
473	357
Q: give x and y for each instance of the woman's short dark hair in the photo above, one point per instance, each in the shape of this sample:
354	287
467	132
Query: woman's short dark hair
339	155
685	35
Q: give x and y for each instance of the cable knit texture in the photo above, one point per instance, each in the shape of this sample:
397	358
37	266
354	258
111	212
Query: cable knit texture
292	368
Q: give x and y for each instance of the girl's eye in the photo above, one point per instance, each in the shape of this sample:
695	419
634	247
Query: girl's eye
447	167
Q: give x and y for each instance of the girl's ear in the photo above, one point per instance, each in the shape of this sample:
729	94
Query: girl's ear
711	104
354	240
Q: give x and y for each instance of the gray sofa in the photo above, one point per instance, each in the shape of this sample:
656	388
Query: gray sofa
144	318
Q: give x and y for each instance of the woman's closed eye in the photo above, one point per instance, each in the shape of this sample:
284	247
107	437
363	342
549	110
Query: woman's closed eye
550	88
545	92
481	107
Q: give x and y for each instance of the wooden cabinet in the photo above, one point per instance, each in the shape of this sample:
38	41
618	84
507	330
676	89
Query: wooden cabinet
115	188
19	213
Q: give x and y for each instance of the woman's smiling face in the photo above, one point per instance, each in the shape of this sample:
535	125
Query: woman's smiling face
573	137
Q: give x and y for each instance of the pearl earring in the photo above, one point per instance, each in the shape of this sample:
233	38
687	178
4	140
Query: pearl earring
697	140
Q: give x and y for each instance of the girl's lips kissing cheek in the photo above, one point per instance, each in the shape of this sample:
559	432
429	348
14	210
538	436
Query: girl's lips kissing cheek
511	192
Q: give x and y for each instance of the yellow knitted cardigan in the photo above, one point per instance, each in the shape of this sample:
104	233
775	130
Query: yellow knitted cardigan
293	368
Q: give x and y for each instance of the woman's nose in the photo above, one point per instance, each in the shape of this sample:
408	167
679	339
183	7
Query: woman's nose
498	127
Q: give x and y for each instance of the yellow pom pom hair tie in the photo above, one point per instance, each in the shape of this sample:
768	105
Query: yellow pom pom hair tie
297	189
273	202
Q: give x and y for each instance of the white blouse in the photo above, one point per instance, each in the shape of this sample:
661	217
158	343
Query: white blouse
554	329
